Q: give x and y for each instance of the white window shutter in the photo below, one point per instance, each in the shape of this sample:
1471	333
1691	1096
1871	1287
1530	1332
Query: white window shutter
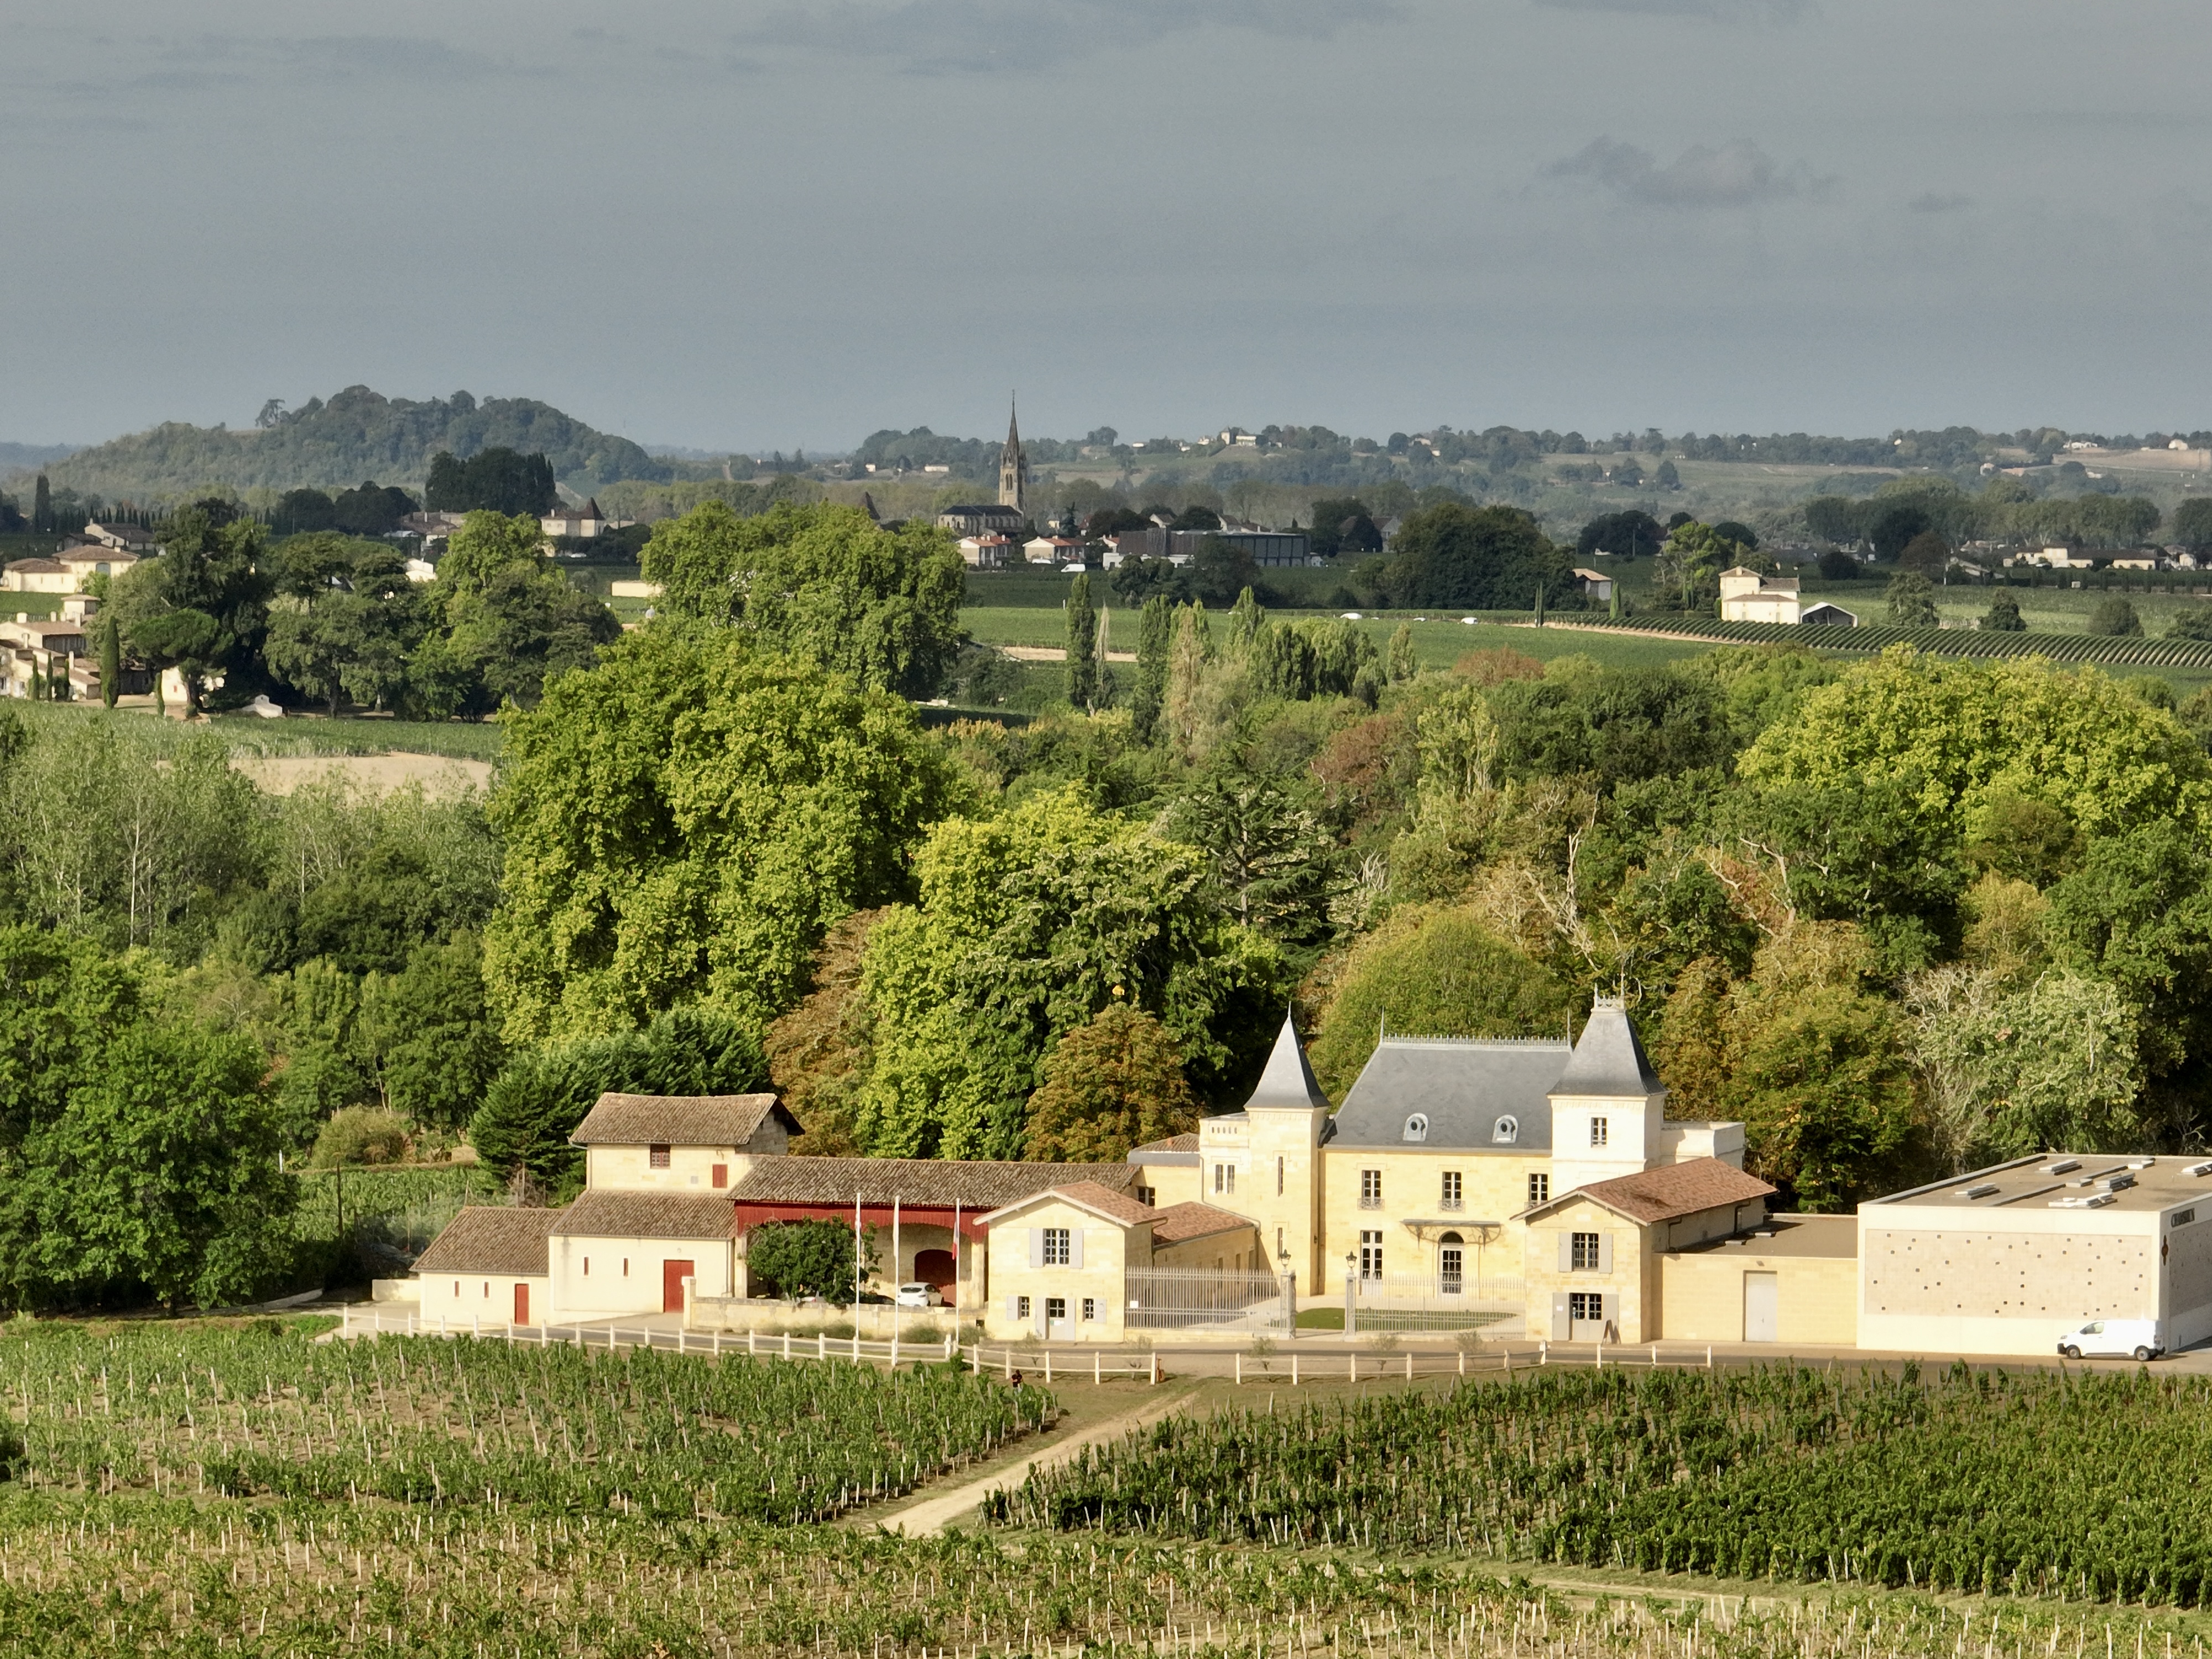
1567	1252
1611	1307
1605	1255
1013	1307
1075	1247
1036	1247
1559	1330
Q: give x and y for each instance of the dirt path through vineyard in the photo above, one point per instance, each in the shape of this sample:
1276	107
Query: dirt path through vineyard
933	1511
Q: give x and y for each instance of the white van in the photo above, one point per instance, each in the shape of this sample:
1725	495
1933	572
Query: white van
2113	1339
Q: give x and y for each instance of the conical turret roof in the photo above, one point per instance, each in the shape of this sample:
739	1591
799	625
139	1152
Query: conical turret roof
1287	1081
1608	1061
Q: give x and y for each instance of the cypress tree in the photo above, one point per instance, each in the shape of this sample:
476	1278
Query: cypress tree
1082	646
111	661
1402	663
42	507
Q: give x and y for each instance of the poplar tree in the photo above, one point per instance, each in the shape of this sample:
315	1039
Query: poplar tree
1155	634
1082	646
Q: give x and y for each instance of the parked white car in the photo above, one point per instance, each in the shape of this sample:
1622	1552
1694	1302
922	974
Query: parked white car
919	1296
2113	1339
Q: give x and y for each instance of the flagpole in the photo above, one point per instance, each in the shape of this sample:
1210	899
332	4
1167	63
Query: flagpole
856	1257
896	1281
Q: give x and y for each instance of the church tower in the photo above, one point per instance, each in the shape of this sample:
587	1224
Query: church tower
1013	468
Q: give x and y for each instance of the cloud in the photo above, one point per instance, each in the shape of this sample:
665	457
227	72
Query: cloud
1740	174
1932	202
1727	11
206	61
958	36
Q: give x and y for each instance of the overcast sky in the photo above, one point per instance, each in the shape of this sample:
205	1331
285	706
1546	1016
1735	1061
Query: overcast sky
754	225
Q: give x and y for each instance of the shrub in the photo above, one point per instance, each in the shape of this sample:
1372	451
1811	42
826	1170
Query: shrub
2114	618
802	1258
2003	617
362	1134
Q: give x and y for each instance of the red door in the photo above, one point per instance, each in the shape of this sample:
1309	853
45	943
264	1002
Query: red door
673	1275
522	1304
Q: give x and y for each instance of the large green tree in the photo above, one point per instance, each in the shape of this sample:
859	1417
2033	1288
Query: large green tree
344	620
512	621
202	607
137	1150
1027	923
824	584
1959	733
1433	972
1486	557
683	821
1109	1085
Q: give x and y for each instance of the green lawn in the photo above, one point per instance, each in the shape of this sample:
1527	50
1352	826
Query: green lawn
1439	639
298	734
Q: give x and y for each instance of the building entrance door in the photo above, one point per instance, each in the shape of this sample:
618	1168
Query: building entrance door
522	1304
935	1267
673	1275
1762	1307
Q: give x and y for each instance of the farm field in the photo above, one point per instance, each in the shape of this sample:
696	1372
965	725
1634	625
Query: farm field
2041	1484
300	737
1438	639
238	1488
263	1412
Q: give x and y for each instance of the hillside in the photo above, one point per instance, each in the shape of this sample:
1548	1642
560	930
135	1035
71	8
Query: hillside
358	433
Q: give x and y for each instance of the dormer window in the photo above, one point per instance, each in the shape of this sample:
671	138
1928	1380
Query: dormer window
1417	1127
1505	1131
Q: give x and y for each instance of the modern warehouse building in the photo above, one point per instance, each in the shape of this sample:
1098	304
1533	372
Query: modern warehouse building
2001	1260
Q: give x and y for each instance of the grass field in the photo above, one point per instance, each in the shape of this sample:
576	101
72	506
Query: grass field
299	735
1439	639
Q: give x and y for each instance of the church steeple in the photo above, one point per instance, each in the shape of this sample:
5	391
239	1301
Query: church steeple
1013	466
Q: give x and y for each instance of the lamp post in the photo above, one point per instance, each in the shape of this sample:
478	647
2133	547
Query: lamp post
1351	1305
1290	1290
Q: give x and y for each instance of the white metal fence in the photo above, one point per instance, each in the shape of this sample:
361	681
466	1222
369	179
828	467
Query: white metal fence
1096	1364
1203	1298
1434	1300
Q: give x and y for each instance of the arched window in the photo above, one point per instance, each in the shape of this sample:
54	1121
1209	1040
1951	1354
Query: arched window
1506	1131
1417	1127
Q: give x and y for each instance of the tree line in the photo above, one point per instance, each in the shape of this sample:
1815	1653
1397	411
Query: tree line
1898	917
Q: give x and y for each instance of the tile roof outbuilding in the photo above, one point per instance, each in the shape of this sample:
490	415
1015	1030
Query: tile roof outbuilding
973	1184
487	1239
678	1120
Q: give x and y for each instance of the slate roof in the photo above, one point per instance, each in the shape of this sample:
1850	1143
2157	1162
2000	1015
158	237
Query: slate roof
605	1214
678	1120
1287	1081
1463	1086
1669	1193
1608	1059
482	1239
1180	1223
972	1184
